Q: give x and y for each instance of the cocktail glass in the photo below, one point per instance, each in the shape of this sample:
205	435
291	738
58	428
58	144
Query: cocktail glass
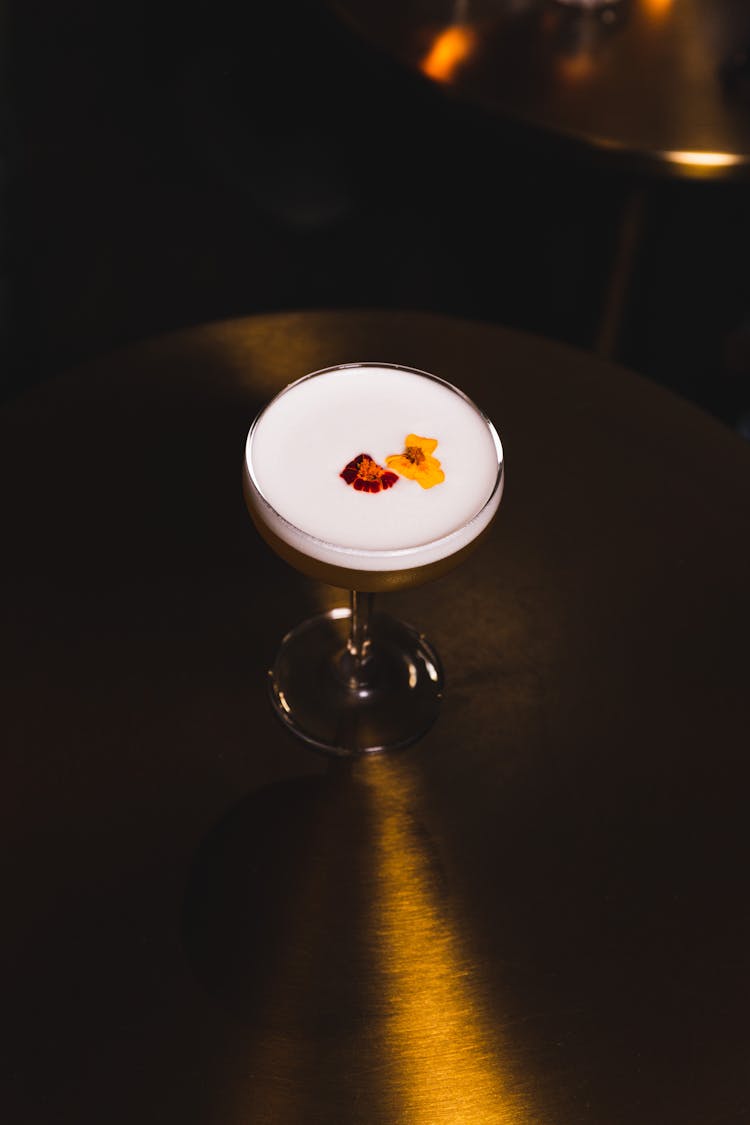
351	680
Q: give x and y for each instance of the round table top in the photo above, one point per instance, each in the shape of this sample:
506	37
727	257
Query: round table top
661	83
537	914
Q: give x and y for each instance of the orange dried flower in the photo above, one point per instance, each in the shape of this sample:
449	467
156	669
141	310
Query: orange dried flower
417	462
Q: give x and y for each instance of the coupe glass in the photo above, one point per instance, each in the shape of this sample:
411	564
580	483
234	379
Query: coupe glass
351	680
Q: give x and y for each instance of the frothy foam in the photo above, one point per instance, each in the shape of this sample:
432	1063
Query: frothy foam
302	440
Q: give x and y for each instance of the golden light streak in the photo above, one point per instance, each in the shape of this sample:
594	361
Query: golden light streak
351	963
450	50
451	1062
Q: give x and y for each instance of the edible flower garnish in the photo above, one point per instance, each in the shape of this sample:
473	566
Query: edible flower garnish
367	475
417	462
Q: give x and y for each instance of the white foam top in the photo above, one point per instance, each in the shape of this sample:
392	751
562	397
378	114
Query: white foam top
300	443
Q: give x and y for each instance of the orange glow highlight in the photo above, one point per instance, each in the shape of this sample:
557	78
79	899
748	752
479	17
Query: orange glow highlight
449	51
657	8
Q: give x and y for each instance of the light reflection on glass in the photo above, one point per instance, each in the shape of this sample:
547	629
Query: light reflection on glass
432	671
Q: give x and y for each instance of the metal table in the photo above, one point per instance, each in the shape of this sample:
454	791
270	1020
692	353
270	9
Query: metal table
538	914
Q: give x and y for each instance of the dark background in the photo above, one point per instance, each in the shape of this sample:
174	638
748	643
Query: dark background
167	166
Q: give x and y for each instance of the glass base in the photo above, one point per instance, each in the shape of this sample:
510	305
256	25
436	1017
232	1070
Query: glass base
325	695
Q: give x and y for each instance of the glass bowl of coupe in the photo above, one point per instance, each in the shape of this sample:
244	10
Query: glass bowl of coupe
371	477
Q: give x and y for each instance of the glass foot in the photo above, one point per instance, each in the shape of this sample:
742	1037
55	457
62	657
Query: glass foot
338	703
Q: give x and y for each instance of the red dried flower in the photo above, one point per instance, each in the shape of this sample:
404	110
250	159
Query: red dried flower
367	475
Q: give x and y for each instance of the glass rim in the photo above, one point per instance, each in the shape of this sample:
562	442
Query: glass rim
374	552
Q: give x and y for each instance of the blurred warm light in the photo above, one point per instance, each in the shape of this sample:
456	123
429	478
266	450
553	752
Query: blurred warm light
657	8
702	159
575	68
450	49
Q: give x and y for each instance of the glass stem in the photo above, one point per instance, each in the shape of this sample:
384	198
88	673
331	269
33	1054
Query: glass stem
358	641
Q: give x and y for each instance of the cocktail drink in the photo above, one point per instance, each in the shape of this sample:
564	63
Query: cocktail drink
371	477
